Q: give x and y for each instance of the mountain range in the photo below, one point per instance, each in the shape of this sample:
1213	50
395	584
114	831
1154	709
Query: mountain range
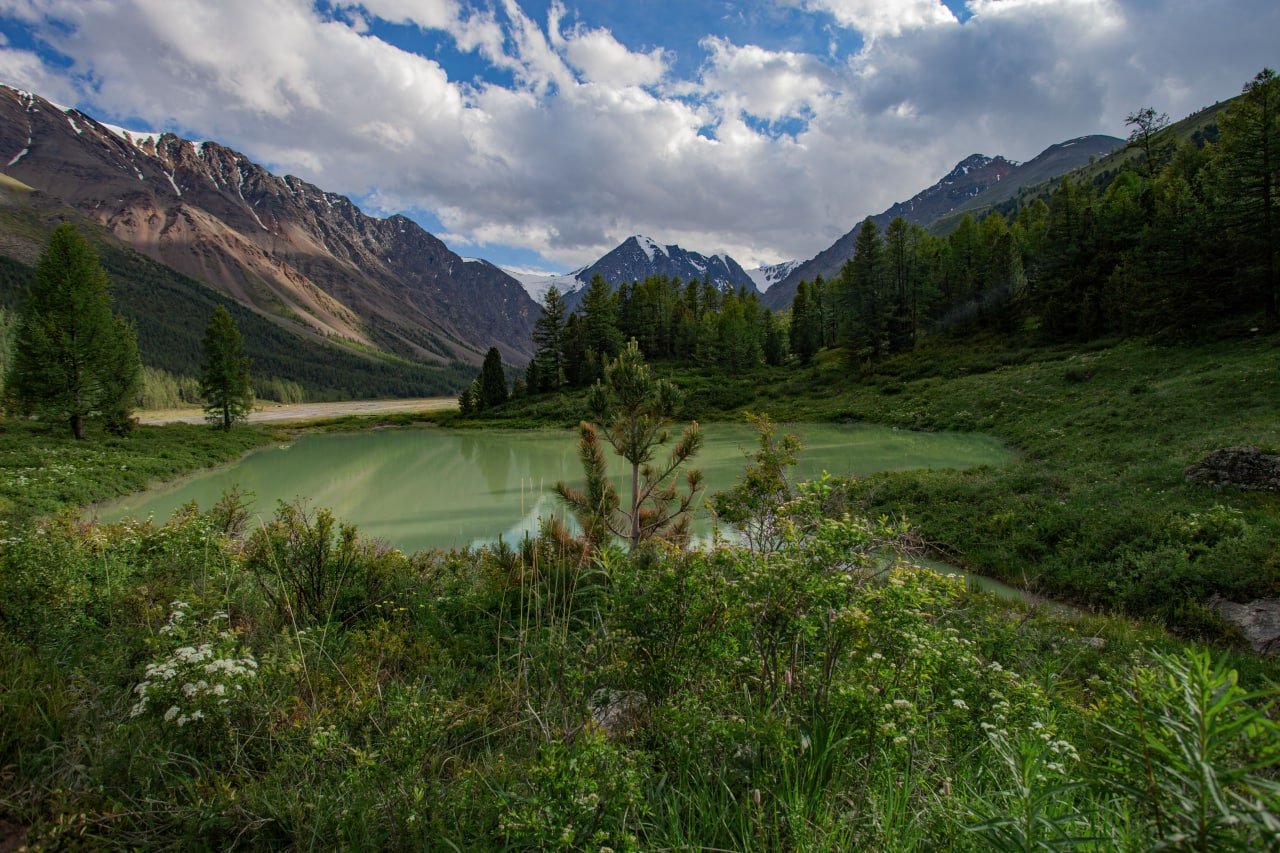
314	266
638	257
977	181
305	258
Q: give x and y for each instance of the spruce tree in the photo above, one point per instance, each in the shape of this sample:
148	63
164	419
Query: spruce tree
600	319
548	339
493	380
225	383
73	358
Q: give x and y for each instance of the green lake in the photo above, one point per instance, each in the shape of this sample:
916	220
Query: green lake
433	488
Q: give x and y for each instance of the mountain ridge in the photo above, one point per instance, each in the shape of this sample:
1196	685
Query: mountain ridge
974	178
279	245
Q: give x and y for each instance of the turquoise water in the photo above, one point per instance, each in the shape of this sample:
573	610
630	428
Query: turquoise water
432	488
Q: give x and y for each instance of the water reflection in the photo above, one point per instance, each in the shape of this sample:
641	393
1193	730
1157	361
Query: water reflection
434	488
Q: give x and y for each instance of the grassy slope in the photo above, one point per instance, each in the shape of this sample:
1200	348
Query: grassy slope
1186	130
169	311
1097	511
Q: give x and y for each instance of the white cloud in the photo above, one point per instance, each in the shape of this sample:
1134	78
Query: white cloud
603	59
597	139
875	18
768	84
26	70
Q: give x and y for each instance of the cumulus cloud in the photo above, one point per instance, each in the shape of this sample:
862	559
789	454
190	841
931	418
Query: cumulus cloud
769	153
874	18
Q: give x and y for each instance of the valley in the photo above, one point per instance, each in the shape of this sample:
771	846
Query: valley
315	533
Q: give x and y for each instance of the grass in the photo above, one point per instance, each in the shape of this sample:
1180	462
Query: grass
361	697
302	686
44	470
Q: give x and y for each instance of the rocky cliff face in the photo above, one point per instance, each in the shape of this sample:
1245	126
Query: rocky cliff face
279	245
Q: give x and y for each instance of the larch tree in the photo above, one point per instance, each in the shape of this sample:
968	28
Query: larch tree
1249	164
73	358
225	384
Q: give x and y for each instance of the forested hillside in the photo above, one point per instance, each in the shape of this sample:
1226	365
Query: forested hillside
170	311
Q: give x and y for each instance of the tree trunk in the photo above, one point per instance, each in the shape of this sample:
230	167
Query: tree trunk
77	426
226	417
635	504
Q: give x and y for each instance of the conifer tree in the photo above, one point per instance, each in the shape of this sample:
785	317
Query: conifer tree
1249	165
801	337
548	338
600	319
493	381
633	410
864	312
73	358
225	384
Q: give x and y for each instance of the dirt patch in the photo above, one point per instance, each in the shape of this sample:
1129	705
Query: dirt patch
274	412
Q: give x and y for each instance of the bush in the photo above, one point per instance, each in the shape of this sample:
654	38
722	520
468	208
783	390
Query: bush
311	573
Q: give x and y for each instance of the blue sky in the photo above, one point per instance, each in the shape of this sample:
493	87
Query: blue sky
540	133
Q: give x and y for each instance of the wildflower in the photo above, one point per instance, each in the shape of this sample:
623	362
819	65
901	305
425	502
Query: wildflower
959	703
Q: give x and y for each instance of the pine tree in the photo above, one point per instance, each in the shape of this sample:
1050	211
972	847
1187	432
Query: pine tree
600	319
633	409
493	380
802	343
901	284
225	384
775	340
73	358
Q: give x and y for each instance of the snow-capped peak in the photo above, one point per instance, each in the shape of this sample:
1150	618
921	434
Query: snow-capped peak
770	274
650	247
135	137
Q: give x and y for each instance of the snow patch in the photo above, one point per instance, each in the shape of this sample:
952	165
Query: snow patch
19	155
136	138
536	283
174	184
768	275
650	247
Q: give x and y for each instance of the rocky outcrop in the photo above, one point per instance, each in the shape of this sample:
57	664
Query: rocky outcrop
617	713
1244	467
1258	621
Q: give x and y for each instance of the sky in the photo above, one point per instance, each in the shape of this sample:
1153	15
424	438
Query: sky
541	133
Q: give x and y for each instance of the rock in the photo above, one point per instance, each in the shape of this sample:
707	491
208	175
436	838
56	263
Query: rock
617	712
1243	466
1258	621
1094	642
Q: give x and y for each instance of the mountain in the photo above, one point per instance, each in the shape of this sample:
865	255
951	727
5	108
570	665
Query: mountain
302	257
638	258
975	183
536	284
767	276
1054	162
